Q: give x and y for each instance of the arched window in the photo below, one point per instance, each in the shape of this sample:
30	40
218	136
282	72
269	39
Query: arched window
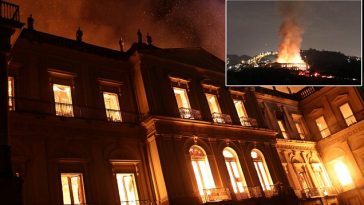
262	169
202	170
235	172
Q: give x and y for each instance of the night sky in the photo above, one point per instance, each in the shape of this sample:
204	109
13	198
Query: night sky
253	26
171	23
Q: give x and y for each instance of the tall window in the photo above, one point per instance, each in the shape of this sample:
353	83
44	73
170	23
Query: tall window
240	109
235	172
321	175
343	174
128	192
11	93
262	170
300	130
63	100
322	126
347	114
283	129
201	168
215	108
72	188
182	102
112	107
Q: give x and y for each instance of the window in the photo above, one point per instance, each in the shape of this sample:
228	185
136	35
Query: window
202	171
240	109
63	100
213	103
234	169
262	170
11	93
127	189
321	175
183	102
111	101
283	129
300	130
72	188
322	126
347	114
343	174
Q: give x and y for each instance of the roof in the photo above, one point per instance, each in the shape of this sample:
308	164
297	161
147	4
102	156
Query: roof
192	56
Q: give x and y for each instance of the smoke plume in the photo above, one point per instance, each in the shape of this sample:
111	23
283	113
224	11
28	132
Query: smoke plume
171	23
291	32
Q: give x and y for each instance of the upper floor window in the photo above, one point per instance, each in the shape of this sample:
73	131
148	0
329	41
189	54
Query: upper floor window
11	93
322	126
347	114
72	188
235	172
63	100
128	192
240	109
300	130
262	170
202	171
283	129
183	103
112	107
213	103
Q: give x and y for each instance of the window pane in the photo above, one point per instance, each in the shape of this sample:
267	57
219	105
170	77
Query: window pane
283	129
112	107
11	93
127	188
300	130
63	100
65	190
262	170
213	103
322	126
181	97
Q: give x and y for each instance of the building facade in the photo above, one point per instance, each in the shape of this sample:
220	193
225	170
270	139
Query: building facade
90	125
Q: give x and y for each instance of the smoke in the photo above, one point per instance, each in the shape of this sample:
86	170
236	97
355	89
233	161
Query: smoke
171	23
290	31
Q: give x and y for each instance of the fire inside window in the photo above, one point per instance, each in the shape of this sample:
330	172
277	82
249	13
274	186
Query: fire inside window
262	170
202	171
240	109
214	108
343	174
112	107
11	93
235	171
183	102
347	114
72	188
283	129
128	192
322	126
63	100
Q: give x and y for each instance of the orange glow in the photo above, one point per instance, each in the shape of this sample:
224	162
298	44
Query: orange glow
343	174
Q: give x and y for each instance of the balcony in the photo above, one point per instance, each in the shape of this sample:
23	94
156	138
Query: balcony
188	113
271	190
46	108
248	122
9	11
221	118
216	194
350	120
113	115
315	192
243	195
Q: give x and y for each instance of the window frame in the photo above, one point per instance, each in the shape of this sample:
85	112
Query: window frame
327	127
107	111
342	114
82	186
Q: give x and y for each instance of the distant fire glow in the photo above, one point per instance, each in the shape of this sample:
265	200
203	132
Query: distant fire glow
291	34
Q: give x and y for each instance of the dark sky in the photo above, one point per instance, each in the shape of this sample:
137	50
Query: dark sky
329	25
171	23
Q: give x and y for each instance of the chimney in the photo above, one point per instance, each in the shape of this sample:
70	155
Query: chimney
140	38
149	39
30	22
79	34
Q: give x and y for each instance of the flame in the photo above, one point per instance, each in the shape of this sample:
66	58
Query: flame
291	34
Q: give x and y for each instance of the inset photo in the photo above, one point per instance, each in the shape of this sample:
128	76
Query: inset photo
305	43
